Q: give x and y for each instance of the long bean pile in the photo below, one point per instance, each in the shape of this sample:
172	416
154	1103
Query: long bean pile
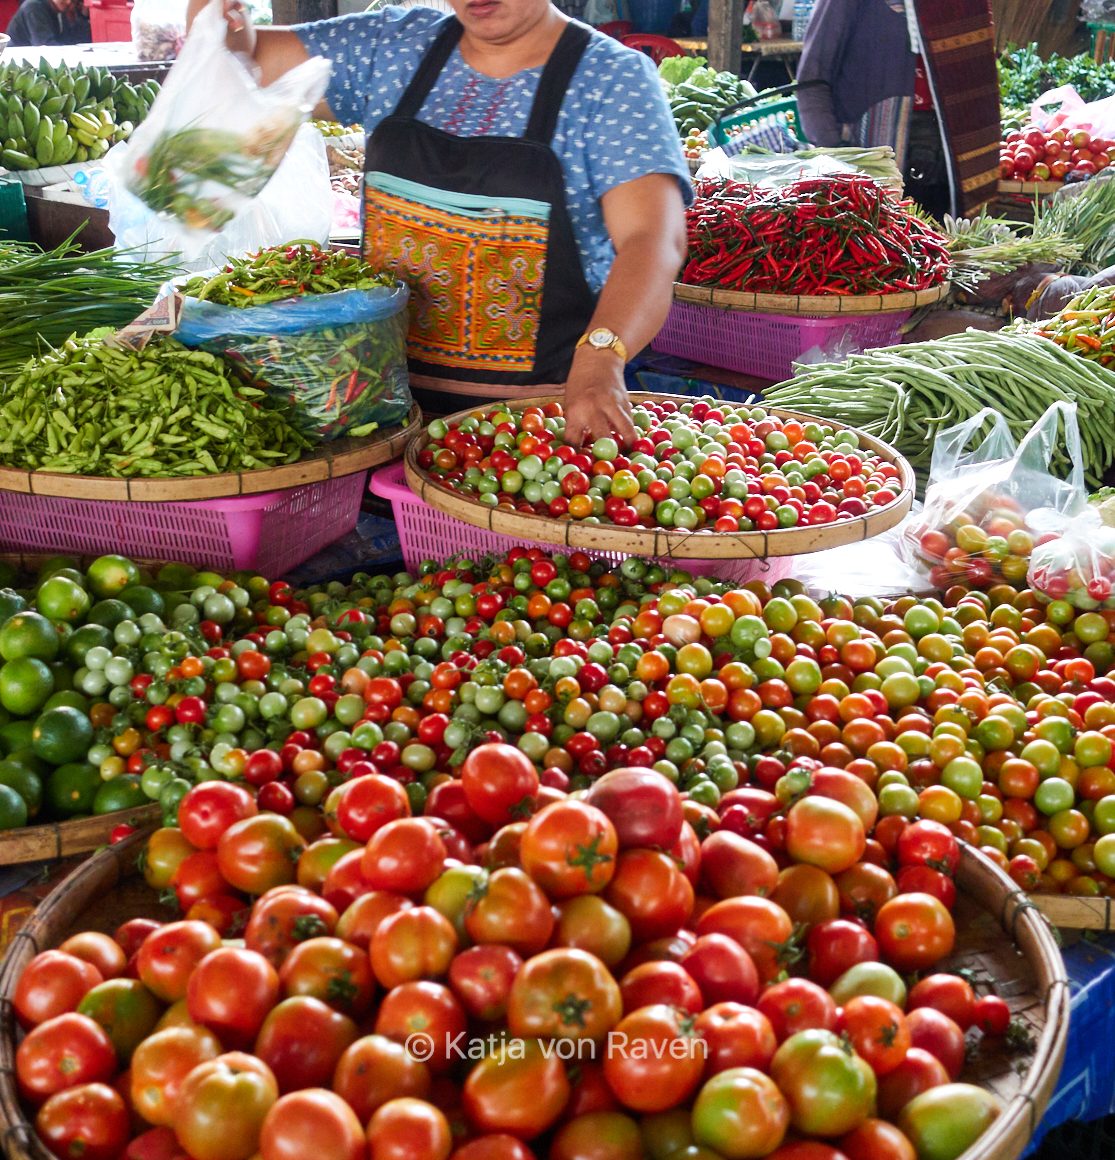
282	272
907	394
92	409
822	235
47	295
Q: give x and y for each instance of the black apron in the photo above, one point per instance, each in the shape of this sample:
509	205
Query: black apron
479	229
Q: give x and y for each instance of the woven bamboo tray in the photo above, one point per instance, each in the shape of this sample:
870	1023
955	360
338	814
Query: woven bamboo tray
817	304
63	839
328	461
660	542
1025	966
1031	187
1072	913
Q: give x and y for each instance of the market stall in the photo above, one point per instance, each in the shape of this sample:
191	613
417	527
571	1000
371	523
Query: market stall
713	793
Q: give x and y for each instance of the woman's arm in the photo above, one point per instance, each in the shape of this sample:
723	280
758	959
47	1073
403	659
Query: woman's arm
829	25
646	222
275	50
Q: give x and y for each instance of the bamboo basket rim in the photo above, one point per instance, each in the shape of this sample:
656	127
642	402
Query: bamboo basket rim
981	882
1041	187
660	542
823	305
331	460
53	840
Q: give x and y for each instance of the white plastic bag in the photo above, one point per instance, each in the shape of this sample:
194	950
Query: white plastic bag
214	138
158	28
296	203
1074	559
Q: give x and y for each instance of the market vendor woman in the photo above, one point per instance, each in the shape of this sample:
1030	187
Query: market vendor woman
523	174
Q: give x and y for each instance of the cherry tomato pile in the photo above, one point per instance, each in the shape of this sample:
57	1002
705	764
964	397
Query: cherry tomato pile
696	465
973	540
1031	154
584	977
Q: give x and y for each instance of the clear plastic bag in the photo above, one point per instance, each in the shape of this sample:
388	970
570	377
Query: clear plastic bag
1074	559
214	138
340	359
158	28
295	203
973	528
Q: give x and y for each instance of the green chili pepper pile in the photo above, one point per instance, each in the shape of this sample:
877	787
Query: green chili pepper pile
1086	325
906	394
821	235
284	272
92	409
325	334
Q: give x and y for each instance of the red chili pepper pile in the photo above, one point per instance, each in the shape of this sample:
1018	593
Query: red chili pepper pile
821	235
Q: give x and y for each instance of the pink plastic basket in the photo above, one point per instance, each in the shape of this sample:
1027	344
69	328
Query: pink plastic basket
271	532
428	534
765	345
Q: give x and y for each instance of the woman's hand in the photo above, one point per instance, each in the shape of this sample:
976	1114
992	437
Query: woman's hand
241	31
596	401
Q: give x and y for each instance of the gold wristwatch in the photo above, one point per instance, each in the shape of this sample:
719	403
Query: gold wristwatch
601	338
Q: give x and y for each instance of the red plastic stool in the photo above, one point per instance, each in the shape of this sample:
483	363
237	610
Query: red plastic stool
658	48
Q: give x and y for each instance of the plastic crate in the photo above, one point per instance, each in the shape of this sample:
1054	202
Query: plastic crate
766	345
270	533
428	534
776	120
110	21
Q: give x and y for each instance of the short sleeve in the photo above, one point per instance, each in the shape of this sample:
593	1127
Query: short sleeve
352	43
629	131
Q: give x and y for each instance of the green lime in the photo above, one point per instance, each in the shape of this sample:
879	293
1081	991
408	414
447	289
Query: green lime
25	684
16	735
109	613
176	577
110	575
57	564
69	697
72	789
28	634
10	603
63	674
142	600
25	782
62	735
87	637
61	598
122	793
13	809
29	759
71	574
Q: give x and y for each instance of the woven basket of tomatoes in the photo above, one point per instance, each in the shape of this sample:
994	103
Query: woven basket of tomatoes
557	981
705	479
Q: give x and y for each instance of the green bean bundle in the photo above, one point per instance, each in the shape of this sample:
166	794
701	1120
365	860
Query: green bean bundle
907	394
93	409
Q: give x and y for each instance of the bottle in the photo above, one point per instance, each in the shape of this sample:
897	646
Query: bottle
92	184
803	10
764	20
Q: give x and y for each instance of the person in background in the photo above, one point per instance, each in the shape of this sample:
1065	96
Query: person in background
523	175
50	22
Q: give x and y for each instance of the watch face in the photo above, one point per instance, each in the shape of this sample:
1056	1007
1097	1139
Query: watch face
601	338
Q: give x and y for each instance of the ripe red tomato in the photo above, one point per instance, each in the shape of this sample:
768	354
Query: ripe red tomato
735	1035
660	982
481	978
403	856
877	1030
221	1107
196	877
230	992
563	994
836	945
364	804
655	1059
651	892
732	865
313	1122
991	1015
877	1140
284	917
603	1135
160	1064
210	808
494	1146
825	833
722	969
333	971
569	848
949	994
89	1122
61	1053
935	1032
427	1011
797	1005
51	984
510	909
917	1073
929	843
518	1089
99	949
416	943
644	807
759	925
500	782
259	853
301	1041
376	1069
914	931
409	1129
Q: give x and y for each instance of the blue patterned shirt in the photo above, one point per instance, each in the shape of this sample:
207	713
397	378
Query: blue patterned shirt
614	125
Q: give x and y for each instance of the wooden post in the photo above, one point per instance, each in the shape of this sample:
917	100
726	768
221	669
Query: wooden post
725	33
